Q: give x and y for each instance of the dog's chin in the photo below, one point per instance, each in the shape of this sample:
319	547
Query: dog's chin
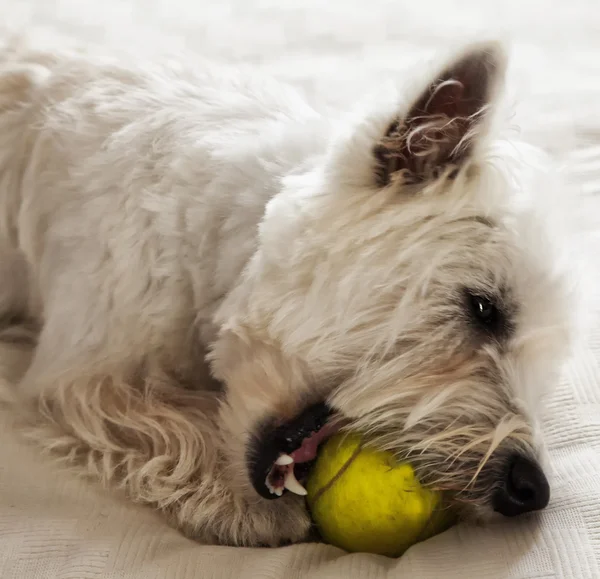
282	453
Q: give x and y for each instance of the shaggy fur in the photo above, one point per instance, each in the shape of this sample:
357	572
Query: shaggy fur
156	216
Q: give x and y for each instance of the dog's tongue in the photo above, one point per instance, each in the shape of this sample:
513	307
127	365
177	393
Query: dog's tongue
309	446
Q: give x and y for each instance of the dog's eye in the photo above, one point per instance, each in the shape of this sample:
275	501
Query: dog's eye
484	311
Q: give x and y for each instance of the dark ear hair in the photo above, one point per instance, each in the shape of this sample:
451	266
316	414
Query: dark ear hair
439	129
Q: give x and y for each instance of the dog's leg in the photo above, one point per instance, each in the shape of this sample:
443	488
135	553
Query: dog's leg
158	442
128	423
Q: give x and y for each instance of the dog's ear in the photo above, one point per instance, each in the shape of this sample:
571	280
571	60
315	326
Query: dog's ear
439	130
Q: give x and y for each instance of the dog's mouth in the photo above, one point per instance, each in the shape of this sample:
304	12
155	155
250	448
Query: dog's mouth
283	455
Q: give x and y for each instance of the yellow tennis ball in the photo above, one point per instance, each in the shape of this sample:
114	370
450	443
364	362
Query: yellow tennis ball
362	499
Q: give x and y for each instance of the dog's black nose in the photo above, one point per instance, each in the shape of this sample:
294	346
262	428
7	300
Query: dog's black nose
524	488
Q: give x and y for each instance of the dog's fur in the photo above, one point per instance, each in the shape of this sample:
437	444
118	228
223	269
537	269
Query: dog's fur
153	217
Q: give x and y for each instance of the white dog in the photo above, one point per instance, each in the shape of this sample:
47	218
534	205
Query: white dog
395	270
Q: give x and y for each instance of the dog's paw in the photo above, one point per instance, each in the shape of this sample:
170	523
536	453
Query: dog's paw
257	523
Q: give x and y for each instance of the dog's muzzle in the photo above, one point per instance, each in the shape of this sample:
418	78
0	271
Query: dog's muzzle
523	488
281	455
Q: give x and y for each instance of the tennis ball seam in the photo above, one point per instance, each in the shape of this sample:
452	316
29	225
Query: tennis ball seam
338	474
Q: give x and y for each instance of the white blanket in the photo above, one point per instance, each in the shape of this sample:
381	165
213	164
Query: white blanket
53	526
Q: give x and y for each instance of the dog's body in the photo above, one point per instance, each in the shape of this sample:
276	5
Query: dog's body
392	269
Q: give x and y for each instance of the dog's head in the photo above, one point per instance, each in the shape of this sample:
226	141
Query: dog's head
410	285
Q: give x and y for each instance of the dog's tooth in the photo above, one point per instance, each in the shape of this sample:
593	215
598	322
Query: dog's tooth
292	484
284	460
274	490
